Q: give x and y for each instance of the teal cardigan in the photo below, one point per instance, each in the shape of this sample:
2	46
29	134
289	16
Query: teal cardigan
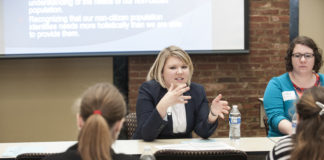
279	101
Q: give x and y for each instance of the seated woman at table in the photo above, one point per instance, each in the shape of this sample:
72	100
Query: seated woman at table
101	116
303	61
308	141
169	105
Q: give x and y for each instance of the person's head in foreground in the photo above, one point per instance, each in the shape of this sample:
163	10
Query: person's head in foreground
101	116
309	138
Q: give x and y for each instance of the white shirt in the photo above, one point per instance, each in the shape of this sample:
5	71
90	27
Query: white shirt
179	118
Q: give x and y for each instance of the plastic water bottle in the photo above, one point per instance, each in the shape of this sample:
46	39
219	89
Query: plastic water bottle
147	154
235	123
294	123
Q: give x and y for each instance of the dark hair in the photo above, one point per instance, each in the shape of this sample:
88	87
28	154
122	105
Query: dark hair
309	136
95	138
309	43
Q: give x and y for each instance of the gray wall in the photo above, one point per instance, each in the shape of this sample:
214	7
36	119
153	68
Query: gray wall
311	21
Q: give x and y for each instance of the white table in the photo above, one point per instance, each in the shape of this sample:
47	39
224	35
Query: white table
251	145
11	150
275	139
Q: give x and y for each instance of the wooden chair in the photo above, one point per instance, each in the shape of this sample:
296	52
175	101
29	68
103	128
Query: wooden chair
168	154
33	156
130	124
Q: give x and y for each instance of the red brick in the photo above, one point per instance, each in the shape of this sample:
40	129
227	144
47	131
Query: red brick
269	32
248	92
259	60
231	66
205	66
258	5
227	79
249	66
269	12
280	18
238	59
260	18
258	44
251	79
236	85
270	25
284	12
217	59
280	4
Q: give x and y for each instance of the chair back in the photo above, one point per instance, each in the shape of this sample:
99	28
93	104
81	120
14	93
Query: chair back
33	156
130	124
266	125
264	116
169	154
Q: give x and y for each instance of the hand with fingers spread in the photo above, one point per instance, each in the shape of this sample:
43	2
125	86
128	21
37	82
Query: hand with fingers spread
172	97
218	108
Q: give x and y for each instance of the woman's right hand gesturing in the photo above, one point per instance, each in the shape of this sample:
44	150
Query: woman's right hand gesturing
172	97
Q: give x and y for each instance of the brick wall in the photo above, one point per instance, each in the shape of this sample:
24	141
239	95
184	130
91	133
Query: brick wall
241	78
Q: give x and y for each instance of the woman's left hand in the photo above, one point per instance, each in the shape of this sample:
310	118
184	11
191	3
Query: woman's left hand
219	107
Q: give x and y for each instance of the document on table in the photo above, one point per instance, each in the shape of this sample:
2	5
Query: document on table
198	145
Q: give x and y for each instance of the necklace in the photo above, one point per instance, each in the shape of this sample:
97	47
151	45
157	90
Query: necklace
301	90
301	81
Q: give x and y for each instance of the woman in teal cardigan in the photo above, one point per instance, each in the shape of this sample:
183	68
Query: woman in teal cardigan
303	61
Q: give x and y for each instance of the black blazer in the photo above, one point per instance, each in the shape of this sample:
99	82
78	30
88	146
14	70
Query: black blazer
150	125
73	154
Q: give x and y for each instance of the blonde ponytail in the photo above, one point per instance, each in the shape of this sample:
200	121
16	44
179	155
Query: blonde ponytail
101	107
95	139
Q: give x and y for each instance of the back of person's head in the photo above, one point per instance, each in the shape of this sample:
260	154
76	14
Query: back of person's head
157	67
101	106
309	136
304	40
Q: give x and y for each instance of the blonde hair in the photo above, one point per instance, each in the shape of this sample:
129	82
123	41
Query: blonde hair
309	136
95	137
156	69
